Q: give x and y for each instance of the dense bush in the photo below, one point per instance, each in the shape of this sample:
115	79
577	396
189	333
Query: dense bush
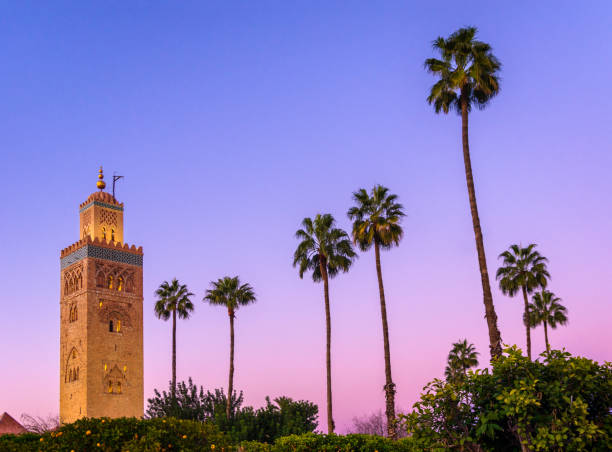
277	418
121	435
561	403
341	443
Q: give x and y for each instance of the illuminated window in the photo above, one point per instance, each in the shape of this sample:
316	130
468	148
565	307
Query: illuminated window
110	281
113	235
125	368
105	367
110	386
119	387
100	304
120	284
110	326
118	326
104	233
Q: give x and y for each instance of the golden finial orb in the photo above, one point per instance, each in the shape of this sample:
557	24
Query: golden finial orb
101	184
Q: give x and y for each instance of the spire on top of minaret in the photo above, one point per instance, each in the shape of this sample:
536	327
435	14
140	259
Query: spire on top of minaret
101	184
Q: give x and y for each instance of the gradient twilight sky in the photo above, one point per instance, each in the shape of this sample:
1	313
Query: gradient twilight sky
232	121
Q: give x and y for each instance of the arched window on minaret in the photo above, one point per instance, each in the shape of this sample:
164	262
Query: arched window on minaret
112	235
104	233
100	278
120	284
119	387
110	282
110	326
75	314
110	387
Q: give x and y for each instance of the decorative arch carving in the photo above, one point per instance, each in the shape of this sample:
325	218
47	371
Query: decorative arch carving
71	372
114	381
73	280
114	277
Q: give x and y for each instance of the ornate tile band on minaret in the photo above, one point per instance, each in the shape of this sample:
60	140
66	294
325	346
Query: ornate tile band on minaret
101	204
99	252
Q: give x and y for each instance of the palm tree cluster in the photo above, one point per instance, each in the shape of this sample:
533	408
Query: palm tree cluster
467	75
326	250
175	299
524	269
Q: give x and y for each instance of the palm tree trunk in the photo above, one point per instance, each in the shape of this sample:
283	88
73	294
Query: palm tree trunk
330	418
546	336
173	353
494	334
230	386
389	385
527	326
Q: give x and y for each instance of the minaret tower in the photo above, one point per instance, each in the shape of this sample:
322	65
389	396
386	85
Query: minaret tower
101	362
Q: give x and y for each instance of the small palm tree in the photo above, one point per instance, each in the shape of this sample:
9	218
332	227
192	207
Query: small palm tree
547	310
173	299
228	292
468	77
325	251
461	357
523	269
376	223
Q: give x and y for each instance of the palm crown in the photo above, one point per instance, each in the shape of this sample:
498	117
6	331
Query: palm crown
376	218
467	72
461	357
230	293
321	240
547	307
173	297
522	267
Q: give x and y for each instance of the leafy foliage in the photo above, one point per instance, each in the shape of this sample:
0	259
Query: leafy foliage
547	310
321	243
173	297
191	403
522	268
277	418
345	443
123	434
561	403
376	218
467	72
461	357
230	293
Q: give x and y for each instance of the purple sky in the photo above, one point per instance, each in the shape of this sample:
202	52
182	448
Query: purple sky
232	122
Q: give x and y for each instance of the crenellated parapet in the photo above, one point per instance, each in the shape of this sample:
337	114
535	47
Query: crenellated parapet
100	249
100	243
102	197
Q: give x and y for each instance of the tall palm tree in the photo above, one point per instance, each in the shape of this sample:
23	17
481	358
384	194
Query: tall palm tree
376	222
325	251
468	78
546	310
173	299
461	357
230	293
523	269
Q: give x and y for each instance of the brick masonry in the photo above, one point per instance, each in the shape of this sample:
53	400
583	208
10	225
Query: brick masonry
101	340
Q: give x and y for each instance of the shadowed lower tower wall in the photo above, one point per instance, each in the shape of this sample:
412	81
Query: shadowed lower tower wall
101	346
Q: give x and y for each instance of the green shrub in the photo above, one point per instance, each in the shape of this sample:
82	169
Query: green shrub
121	435
312	442
561	403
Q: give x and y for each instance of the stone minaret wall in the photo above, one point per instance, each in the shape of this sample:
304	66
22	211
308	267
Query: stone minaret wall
101	345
